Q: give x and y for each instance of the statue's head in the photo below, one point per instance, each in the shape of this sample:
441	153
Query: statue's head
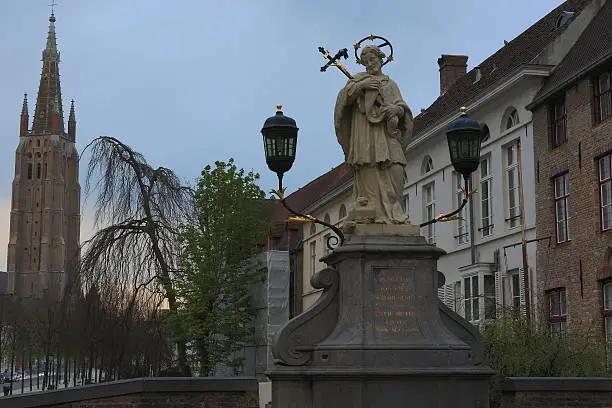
371	58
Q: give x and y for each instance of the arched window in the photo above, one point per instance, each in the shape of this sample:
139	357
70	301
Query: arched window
342	212
313	228
427	165
327	219
486	134
511	119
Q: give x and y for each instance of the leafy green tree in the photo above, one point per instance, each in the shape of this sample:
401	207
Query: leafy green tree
215	317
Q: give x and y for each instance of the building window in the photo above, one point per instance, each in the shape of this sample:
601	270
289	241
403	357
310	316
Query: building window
313	257
429	204
342	212
605	191
38	171
603	97
45	170
313	228
512	179
489	293
462	224
486	202
563	208
607	306
470	298
29	171
558	122
512	119
557	311
515	288
427	165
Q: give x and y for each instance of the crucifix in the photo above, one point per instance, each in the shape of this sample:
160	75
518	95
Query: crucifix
52	5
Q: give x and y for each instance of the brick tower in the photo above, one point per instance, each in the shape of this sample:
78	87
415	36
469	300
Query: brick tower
43	250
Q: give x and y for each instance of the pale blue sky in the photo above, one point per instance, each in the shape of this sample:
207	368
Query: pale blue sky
188	82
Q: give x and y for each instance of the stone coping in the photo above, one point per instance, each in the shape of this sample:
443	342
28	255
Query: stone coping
131	386
557	384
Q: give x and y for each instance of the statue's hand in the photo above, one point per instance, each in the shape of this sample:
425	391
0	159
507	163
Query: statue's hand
396	110
370	83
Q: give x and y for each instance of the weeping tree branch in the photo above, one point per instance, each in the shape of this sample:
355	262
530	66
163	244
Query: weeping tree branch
139	210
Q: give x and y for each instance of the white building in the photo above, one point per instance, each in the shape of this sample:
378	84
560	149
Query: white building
489	249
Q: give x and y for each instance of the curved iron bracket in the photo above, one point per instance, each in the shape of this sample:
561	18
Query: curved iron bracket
305	218
450	216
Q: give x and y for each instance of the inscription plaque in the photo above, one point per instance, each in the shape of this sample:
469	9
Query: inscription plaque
395	300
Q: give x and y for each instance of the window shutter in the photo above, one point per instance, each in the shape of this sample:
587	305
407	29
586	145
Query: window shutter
441	292
499	293
449	296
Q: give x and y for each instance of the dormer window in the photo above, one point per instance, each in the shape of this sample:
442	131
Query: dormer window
427	165
563	18
512	119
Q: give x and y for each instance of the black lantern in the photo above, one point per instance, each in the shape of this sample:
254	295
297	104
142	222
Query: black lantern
280	139
464	136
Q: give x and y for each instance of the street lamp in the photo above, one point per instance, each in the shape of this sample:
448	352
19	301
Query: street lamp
280	140
464	136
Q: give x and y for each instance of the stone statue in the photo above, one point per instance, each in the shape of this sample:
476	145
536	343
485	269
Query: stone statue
373	126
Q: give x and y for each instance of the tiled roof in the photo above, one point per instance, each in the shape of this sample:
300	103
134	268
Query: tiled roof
522	50
592	48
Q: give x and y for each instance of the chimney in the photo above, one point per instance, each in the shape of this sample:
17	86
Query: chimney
452	67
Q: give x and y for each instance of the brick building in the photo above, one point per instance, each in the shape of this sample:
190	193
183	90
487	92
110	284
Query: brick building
572	122
43	249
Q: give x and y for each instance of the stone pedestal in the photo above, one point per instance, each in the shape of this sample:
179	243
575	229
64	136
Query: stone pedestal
378	336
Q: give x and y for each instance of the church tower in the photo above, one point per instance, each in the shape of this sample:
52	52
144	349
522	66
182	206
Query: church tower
43	250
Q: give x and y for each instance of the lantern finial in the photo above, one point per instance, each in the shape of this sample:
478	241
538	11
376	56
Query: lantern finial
279	107
463	110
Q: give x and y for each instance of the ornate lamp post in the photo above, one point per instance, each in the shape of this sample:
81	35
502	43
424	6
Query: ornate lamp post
280	140
464	136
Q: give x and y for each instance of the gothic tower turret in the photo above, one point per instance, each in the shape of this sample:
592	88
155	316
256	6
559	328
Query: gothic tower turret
43	250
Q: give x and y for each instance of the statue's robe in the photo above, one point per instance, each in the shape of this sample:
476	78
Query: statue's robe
374	152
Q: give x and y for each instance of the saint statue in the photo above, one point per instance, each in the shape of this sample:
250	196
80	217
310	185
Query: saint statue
373	126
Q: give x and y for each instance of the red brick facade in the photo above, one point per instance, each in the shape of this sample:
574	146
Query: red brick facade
581	264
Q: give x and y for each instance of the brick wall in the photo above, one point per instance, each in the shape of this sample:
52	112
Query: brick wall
557	392
579	265
147	393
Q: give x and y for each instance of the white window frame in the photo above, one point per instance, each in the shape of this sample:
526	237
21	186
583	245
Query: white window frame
313	257
462	228
605	191
471	297
563	208
512	195
429	211
515	288
486	201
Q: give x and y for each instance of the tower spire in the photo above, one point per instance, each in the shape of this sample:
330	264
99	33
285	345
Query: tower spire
72	122
25	117
48	116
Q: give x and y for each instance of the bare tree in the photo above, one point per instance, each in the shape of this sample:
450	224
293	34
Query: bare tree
139	211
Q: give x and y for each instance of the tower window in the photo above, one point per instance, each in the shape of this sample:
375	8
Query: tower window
45	170
37	170
37	142
29	171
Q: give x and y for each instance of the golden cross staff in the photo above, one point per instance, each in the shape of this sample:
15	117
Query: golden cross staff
343	53
333	61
